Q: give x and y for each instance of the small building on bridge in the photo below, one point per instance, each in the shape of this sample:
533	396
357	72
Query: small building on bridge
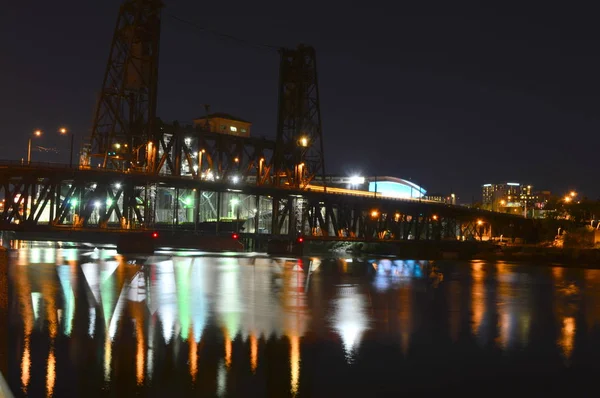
224	123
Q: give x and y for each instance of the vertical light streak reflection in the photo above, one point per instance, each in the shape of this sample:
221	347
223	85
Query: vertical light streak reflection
28	304
49	295
139	356
92	323
566	298
107	357
253	352
567	336
193	358
294	363
26	366
504	316
64	275
51	373
477	298
350	319
221	380
227	350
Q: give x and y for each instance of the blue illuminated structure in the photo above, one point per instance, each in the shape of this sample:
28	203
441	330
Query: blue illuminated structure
396	188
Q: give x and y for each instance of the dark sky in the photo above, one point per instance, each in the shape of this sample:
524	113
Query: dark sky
450	97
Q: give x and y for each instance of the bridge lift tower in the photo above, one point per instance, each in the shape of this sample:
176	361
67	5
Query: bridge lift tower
299	155
123	132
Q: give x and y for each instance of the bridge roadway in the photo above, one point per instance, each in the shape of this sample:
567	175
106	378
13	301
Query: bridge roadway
54	196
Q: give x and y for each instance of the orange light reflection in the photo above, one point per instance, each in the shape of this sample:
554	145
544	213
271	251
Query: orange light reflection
227	350
294	362
253	352
51	373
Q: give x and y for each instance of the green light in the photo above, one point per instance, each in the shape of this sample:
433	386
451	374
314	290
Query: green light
109	202
73	202
187	201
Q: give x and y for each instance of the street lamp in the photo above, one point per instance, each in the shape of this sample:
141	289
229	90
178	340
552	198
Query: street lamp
36	133
64	131
200	162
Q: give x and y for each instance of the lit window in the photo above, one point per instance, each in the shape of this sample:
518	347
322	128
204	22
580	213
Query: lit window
232	128
243	130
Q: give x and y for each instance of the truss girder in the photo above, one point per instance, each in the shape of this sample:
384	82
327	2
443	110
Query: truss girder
105	199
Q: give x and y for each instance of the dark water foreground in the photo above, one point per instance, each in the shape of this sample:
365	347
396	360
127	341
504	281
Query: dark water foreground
90	323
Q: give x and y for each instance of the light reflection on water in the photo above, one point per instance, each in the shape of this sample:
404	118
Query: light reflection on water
237	325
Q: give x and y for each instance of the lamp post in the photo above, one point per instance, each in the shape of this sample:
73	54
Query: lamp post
200	153
64	131
36	133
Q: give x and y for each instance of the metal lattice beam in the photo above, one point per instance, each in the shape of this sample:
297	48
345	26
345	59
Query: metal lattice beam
299	154
124	122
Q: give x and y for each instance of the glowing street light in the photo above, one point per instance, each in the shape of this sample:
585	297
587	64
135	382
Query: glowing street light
479	222
573	194
434	217
200	161
374	214
503	202
304	142
64	131
36	133
568	199
357	180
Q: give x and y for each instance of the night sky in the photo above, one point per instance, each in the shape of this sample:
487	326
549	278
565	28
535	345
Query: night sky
448	97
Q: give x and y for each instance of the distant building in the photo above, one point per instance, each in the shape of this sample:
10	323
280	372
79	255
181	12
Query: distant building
225	124
512	197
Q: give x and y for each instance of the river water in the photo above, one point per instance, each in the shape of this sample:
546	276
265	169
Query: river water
88	322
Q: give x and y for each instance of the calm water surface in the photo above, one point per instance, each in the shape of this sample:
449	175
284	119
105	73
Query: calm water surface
86	322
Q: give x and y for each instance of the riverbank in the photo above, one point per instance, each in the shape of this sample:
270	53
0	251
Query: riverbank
456	250
572	257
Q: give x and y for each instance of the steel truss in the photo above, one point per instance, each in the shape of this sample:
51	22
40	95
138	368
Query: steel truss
201	154
124	123
102	199
299	154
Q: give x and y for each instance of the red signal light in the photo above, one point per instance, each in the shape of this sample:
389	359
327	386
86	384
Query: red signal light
300	239
155	235
235	236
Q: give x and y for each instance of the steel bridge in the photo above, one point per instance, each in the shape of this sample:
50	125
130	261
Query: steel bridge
53	197
136	172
